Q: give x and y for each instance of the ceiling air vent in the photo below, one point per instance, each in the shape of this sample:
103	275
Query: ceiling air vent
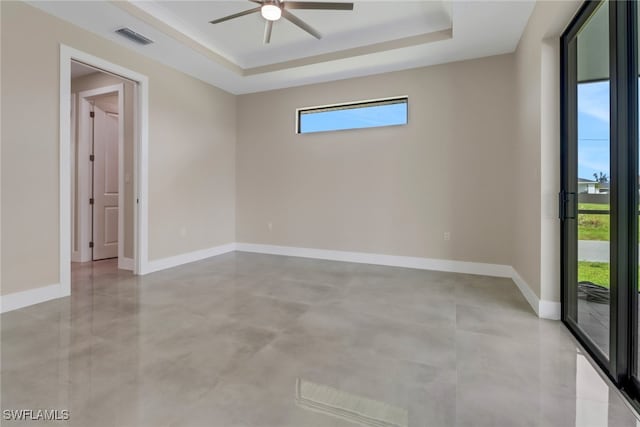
133	36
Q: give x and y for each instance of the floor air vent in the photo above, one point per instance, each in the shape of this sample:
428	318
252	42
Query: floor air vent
133	36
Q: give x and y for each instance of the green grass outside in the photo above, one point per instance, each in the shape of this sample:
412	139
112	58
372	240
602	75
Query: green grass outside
593	227
594	272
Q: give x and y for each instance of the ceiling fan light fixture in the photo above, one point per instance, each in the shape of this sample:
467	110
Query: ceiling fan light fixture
271	12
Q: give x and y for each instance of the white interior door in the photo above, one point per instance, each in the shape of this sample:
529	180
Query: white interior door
105	185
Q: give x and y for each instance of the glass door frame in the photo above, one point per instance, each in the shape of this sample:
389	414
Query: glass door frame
623	77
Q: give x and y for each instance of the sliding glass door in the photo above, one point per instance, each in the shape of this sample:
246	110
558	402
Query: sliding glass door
599	189
634	229
587	188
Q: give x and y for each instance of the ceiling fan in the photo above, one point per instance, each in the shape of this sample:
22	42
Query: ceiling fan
272	10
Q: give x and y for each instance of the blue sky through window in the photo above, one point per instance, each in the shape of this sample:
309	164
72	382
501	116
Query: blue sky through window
354	118
593	129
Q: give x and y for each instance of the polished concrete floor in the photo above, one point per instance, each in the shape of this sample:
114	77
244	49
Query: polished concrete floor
225	342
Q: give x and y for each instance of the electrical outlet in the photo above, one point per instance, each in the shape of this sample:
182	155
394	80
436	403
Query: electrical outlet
183	231
447	236
270	226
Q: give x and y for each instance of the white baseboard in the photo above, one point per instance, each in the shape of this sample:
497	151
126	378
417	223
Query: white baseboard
495	270
551	310
22	299
174	261
526	291
543	308
125	263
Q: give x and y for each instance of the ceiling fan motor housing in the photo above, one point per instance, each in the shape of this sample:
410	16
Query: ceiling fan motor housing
271	10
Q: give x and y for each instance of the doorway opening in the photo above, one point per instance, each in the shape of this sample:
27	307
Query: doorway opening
102	141
103	165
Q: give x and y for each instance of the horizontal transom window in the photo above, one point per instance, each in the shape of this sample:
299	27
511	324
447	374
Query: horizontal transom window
353	115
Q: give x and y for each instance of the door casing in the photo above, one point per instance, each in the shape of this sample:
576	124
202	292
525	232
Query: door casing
141	161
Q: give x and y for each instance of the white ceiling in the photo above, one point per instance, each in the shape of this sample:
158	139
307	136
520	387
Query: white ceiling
377	36
79	70
240	39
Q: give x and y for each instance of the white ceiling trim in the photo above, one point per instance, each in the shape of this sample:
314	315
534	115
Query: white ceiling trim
240	39
175	29
479	29
161	14
354	52
151	13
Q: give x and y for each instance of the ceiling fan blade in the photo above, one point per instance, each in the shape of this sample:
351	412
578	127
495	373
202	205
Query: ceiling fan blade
256	1
317	5
235	15
268	26
300	23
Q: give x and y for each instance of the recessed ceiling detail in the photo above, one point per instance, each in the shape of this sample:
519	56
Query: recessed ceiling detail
274	10
377	36
239	41
352	53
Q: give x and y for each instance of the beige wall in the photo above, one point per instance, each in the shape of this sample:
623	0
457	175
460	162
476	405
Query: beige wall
98	80
536	246
191	149
479	158
392	190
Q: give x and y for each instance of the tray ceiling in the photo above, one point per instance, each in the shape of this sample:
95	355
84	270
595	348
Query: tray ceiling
377	36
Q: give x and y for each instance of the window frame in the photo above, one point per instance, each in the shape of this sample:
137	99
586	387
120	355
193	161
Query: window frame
350	105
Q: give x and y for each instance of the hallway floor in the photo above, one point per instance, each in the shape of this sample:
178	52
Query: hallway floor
258	340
